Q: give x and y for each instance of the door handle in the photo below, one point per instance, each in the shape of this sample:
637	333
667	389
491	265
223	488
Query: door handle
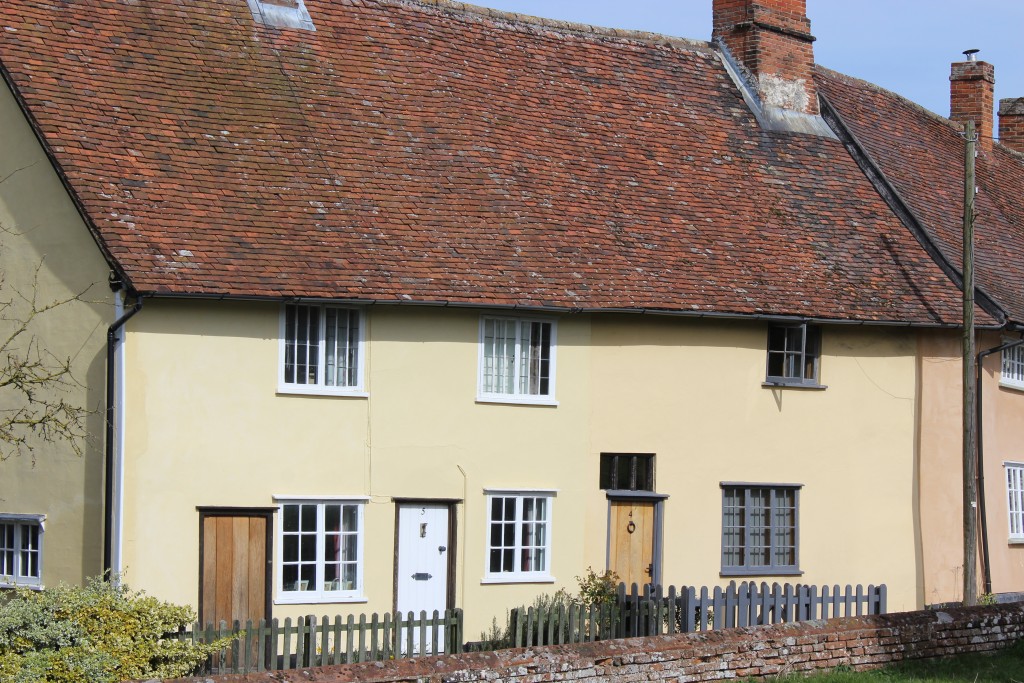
441	548
650	569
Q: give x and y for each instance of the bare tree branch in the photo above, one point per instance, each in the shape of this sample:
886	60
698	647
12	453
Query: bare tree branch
36	387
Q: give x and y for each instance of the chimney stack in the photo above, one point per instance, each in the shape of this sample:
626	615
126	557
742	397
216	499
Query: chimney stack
972	95
772	39
1011	123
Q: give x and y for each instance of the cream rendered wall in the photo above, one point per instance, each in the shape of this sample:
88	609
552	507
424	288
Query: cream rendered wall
690	392
941	467
42	229
207	428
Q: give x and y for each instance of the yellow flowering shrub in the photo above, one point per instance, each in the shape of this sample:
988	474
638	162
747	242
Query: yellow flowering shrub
102	632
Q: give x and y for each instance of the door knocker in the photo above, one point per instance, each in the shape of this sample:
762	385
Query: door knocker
631	527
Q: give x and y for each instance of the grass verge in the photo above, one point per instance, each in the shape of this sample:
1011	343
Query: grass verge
1006	666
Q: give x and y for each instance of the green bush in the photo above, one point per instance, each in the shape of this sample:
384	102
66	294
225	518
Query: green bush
598	589
101	632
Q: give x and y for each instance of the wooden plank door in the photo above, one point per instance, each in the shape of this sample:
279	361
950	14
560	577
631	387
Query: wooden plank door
631	541
235	566
422	558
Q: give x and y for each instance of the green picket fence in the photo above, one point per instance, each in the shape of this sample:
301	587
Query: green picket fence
321	641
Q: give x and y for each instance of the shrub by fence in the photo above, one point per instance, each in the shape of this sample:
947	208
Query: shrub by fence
656	611
319	641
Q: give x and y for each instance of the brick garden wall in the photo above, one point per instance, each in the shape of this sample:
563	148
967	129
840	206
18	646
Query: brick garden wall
857	642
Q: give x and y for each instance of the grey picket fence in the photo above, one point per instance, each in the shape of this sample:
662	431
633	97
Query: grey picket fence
322	641
653	610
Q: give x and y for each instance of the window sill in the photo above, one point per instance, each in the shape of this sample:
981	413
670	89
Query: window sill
318	600
770	384
1016	540
1009	384
760	571
518	578
289	390
30	586
517	400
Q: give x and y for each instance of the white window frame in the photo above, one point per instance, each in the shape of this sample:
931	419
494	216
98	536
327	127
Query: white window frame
320	595
17	578
516	396
1011	368
1015	501
519	576
321	388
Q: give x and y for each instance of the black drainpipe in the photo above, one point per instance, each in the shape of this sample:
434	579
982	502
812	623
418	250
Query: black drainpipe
986	569
108	493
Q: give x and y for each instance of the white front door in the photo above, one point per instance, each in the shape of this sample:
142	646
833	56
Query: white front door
422	560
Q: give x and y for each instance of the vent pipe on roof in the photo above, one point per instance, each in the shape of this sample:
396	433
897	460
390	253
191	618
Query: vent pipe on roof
972	95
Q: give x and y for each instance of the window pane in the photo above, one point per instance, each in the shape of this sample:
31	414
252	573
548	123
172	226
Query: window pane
350	548
291	548
308	517
341	344
351	518
307	548
291	517
332	518
6	550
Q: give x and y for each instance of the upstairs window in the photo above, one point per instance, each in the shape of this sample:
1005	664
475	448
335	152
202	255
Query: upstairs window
1012	374
21	550
793	352
322	349
627	471
759	529
517	360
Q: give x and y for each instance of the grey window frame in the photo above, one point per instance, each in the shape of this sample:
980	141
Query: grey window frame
810	345
632	485
19	524
771	569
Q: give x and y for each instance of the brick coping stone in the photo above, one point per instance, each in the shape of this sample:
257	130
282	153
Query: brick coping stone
856	642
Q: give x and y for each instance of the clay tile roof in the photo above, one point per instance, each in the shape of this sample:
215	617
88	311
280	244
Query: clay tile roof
433	152
921	155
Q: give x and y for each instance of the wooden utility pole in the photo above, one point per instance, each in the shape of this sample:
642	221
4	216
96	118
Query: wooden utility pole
970	426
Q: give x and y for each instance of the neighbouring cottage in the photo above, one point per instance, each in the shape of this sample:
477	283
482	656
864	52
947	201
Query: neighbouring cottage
420	304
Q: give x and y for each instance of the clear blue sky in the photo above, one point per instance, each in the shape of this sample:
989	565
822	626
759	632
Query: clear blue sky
903	45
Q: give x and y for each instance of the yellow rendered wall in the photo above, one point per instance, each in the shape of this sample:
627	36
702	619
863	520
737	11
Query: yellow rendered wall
46	251
941	467
691	392
207	428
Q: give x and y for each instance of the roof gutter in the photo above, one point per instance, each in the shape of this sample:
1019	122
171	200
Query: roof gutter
980	455
564	310
112	427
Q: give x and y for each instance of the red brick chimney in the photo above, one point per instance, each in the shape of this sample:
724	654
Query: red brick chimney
772	39
972	96
1011	123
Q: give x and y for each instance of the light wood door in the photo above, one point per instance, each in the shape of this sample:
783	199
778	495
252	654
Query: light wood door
631	554
234	568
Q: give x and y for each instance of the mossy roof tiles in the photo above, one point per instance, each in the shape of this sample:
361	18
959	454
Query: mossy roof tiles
433	153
